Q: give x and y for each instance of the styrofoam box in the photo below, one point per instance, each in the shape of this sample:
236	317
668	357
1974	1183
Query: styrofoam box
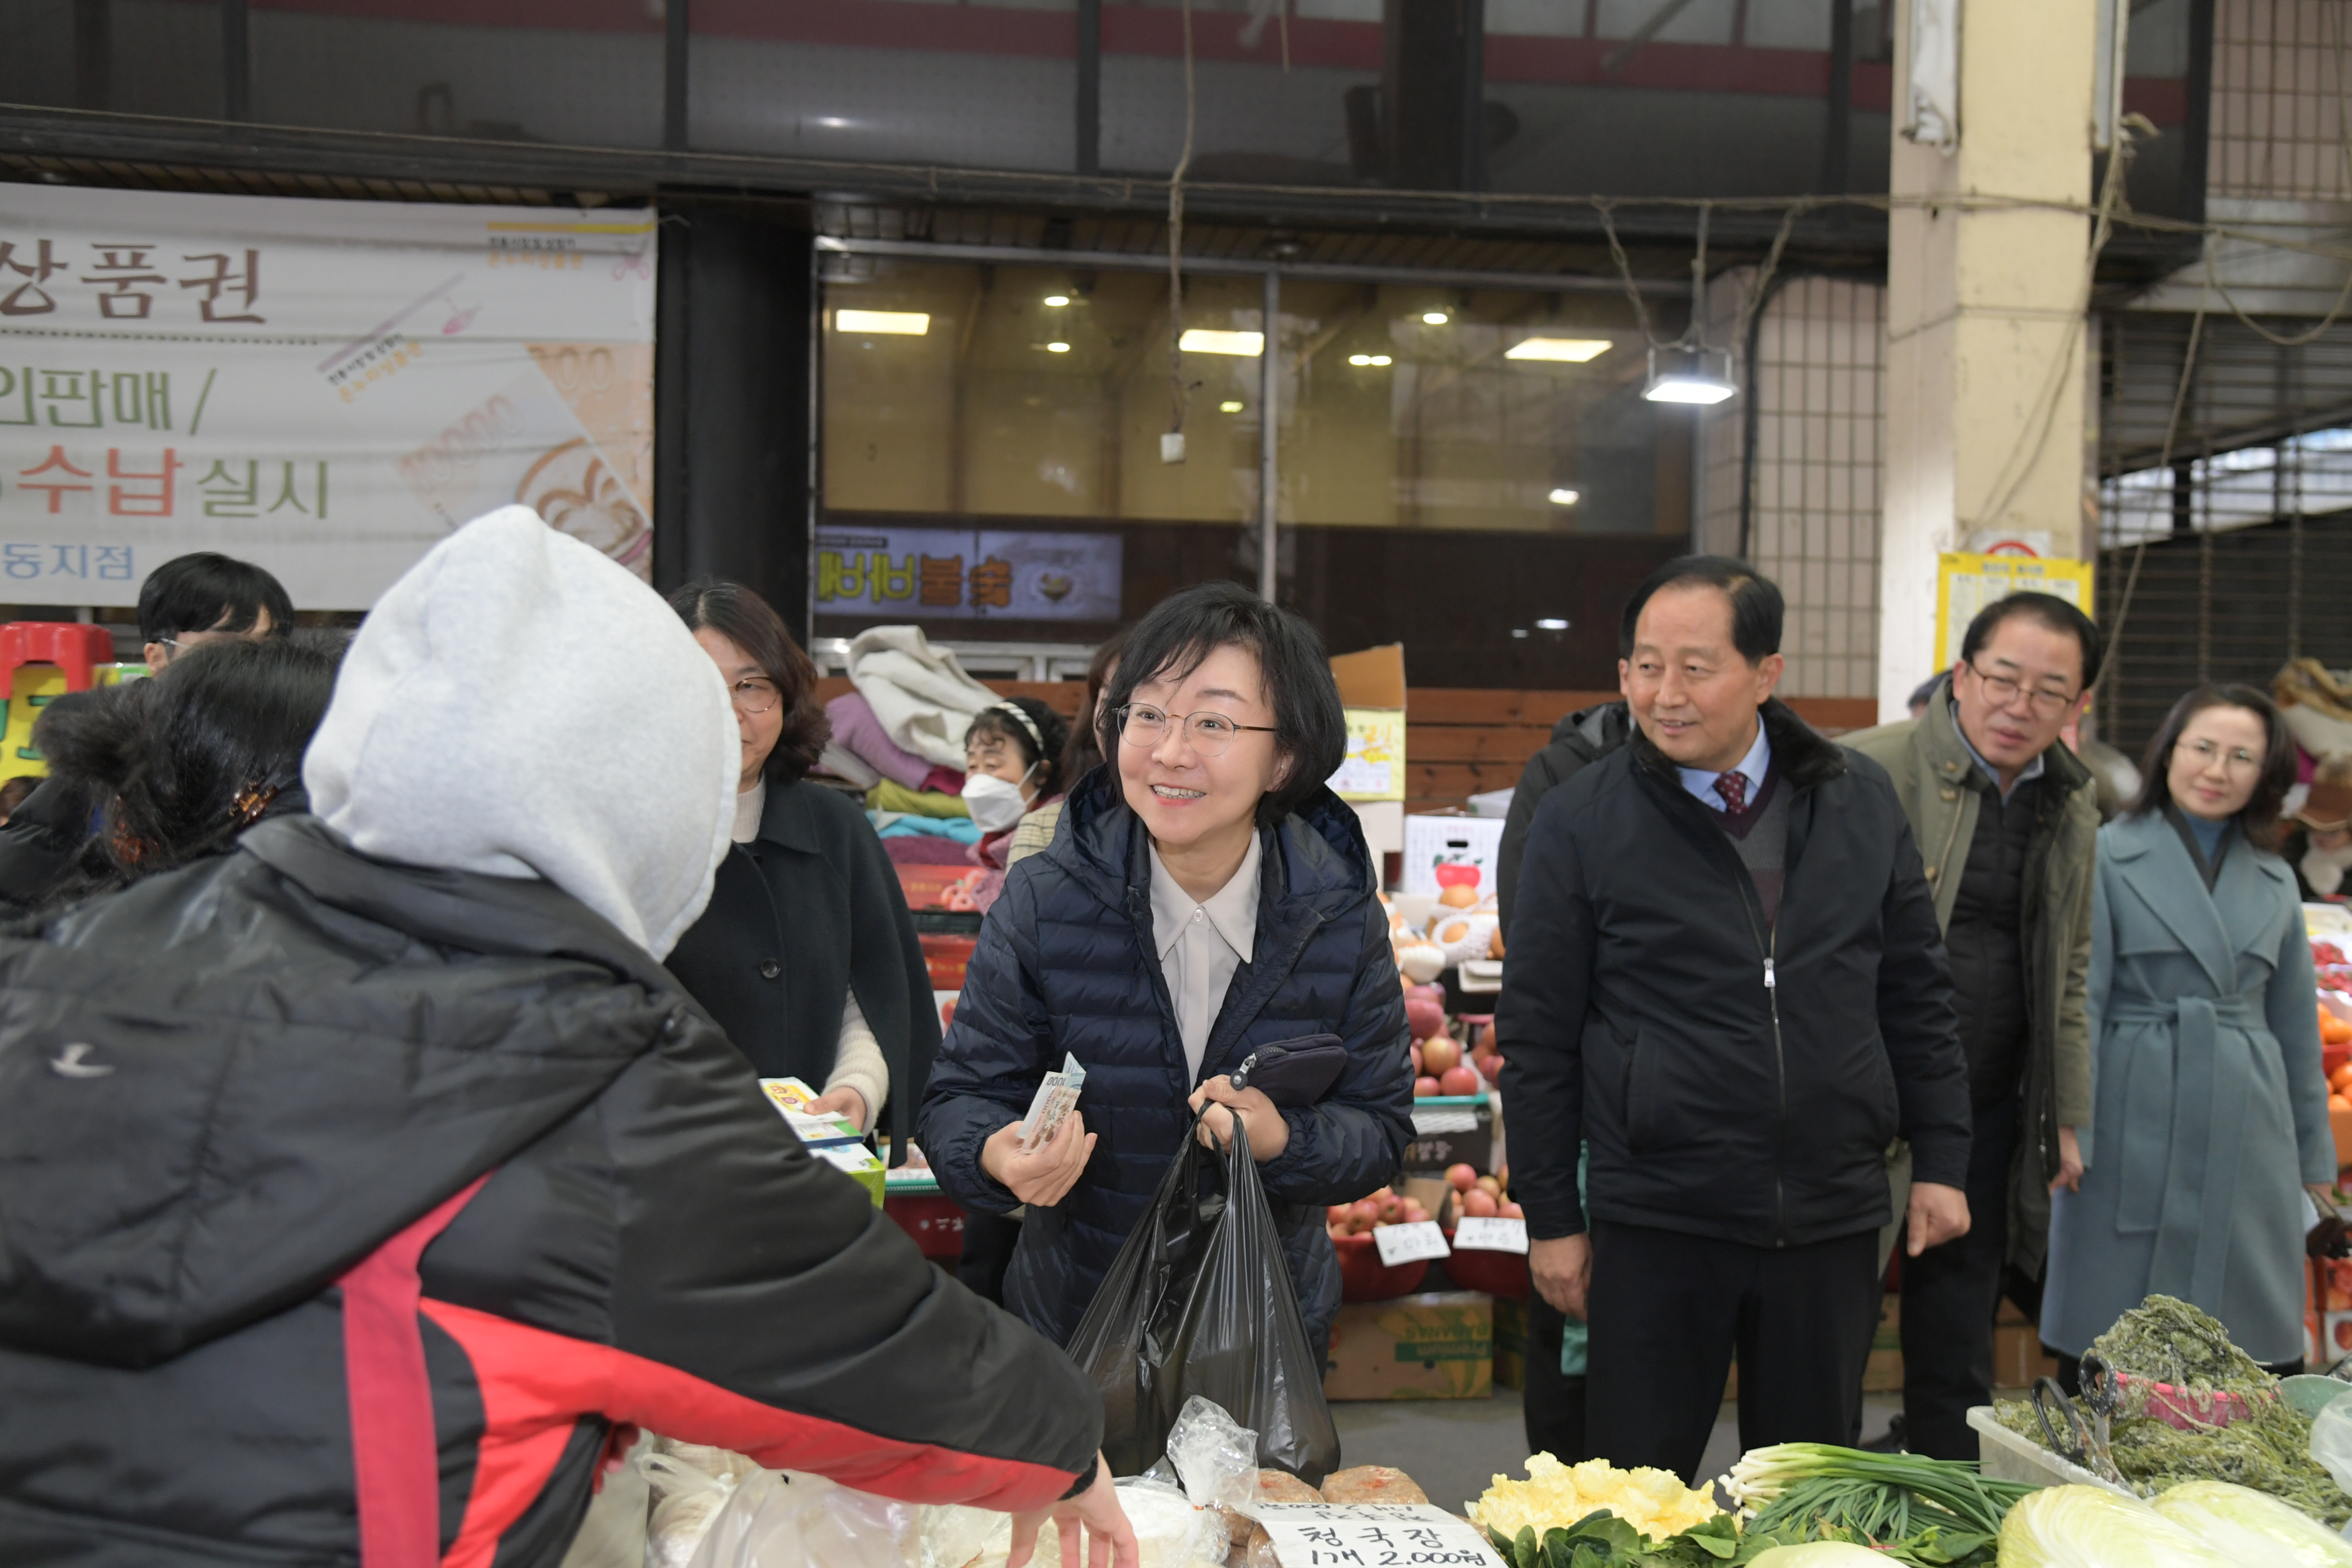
1430	840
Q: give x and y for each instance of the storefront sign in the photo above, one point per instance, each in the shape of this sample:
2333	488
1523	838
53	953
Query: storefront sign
1966	583
325	387
958	574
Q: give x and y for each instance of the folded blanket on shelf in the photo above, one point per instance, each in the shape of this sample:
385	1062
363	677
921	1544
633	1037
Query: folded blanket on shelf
898	824
920	694
891	796
920	851
856	730
844	763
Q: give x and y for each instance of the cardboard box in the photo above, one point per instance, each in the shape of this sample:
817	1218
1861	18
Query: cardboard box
1439	1345
1433	840
2016	1358
1510	1343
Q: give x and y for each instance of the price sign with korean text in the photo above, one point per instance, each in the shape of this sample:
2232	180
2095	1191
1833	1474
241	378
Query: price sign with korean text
1475	1234
1409	1243
1373	1535
324	387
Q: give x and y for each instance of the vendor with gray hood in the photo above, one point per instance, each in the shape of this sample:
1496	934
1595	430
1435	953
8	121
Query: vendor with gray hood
360	1188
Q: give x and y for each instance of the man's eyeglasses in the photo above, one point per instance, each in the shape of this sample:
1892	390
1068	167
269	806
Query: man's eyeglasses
2005	692
754	694
1209	733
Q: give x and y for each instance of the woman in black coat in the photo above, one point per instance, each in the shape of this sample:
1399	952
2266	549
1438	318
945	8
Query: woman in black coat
1206	896
807	954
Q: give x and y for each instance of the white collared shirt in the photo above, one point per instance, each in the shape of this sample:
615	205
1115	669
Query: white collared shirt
1200	947
1700	782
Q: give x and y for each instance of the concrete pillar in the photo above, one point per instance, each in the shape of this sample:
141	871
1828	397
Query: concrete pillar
1986	352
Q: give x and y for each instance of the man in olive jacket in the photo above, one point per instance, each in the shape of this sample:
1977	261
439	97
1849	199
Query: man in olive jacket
2006	818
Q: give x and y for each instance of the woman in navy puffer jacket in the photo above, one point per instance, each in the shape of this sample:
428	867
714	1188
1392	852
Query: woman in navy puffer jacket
1205	895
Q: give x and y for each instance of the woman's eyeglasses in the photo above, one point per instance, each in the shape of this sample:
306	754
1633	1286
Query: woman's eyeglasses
1209	733
2236	759
754	694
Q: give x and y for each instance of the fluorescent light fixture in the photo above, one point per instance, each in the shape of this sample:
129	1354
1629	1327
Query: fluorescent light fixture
1057	348
1230	406
899	324
1434	318
1058	299
1368	359
1518	631
1565	497
1209	340
832	122
1551	624
1689	375
1379	359
1567	350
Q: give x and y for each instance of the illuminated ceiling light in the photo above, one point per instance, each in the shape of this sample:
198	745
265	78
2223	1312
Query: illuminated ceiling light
1359	359
1570	351
1551	624
1058	299
1057	348
1434	318
832	122
1565	497
1230	406
900	323
1699	375
1381	359
1518	631
1209	340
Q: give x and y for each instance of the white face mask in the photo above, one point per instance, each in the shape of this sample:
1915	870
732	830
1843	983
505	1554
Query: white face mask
995	804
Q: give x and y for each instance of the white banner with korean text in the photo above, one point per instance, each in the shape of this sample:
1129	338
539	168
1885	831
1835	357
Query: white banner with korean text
324	387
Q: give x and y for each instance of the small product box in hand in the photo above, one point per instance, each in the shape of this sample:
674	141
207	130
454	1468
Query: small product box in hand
834	1139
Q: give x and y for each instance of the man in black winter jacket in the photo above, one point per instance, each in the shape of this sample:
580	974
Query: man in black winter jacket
1723	976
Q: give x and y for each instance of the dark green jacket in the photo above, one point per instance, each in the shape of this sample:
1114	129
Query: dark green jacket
1930	765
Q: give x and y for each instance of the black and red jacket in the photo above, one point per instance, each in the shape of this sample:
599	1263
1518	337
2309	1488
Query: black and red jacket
236	1102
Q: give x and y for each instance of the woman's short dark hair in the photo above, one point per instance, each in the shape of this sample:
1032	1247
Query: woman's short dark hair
189	759
1043	751
1757	609
745	619
2260	818
1183	629
2053	613
1084	753
206	591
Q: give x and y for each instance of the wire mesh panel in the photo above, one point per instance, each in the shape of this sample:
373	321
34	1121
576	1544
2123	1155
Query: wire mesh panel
2278	127
1813	499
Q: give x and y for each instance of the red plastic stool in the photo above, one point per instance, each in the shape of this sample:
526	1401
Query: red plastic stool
72	646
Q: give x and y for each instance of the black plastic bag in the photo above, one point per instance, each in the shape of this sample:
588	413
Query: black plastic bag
1200	1301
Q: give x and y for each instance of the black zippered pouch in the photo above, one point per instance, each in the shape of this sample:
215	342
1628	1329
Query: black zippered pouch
1294	1073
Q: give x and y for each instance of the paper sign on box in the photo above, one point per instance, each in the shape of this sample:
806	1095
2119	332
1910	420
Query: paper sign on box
1409	1243
1475	1234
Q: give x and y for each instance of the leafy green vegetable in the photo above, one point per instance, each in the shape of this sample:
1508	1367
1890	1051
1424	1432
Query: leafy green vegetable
2091	1527
2248	1527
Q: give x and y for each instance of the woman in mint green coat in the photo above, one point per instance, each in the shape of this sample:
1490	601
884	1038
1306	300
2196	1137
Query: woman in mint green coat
2210	1110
